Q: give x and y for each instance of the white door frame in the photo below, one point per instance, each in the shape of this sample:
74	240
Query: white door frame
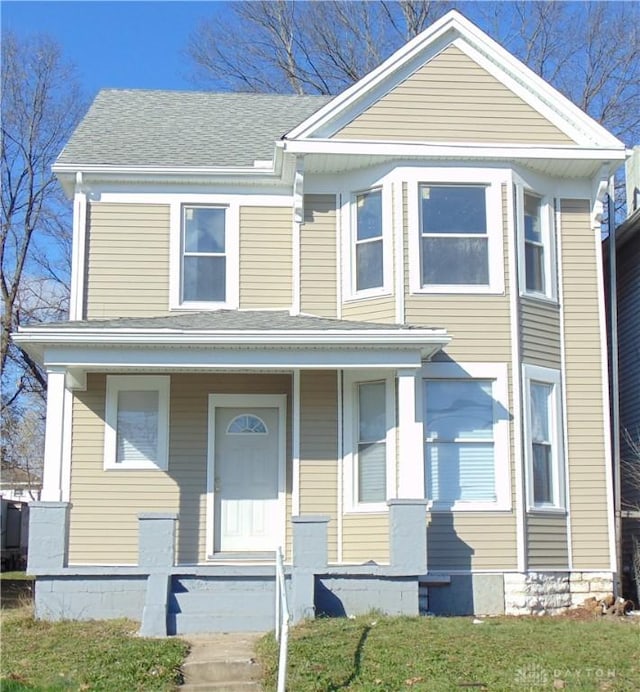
278	401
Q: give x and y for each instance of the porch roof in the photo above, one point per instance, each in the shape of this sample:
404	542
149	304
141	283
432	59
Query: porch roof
228	338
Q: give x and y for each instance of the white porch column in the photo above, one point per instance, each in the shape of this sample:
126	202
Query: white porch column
54	436
410	434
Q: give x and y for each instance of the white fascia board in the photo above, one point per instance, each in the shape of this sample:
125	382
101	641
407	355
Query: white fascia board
459	26
461	150
104	359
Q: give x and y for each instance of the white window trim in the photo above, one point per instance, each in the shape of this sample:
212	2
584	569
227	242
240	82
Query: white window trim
498	373
232	254
493	180
120	383
547	228
349	212
535	373
350	460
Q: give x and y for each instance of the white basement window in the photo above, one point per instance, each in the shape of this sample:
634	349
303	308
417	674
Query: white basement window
137	422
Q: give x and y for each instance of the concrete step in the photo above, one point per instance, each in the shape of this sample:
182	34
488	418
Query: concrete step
239	670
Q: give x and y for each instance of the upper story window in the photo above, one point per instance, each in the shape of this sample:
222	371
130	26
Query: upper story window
453	229
455	219
368	252
536	245
204	259
136	422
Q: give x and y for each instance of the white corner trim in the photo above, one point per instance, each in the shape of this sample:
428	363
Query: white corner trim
398	248
340	274
340	468
296	230
295	444
563	365
78	251
516	382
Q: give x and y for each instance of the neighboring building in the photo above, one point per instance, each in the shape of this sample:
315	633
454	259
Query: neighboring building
19	485
368	329
625	270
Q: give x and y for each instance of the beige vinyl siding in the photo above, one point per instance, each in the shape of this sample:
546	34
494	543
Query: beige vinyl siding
540	333
584	389
127	260
471	540
105	504
381	310
265	257
318	449
365	537
547	541
318	256
451	98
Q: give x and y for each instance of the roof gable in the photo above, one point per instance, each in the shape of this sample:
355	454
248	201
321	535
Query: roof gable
451	98
556	115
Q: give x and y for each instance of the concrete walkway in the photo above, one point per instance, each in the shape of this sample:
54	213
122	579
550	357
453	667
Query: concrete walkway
221	662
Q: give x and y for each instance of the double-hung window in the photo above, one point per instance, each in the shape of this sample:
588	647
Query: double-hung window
136	422
536	245
543	438
369	249
204	254
466	436
454	236
456	230
369	433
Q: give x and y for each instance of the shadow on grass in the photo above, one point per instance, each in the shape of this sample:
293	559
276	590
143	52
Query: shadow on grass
16	593
357	660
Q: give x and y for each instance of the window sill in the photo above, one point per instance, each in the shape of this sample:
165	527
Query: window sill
134	467
458	290
367	295
468	507
559	511
541	298
373	508
200	307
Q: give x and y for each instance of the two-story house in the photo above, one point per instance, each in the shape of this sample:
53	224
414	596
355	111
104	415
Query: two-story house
368	329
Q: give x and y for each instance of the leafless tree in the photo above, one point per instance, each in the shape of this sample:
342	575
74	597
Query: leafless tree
589	51
41	104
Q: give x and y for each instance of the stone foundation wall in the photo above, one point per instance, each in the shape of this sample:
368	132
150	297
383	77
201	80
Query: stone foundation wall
550	593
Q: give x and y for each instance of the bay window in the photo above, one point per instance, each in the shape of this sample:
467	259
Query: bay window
368	242
466	436
543	438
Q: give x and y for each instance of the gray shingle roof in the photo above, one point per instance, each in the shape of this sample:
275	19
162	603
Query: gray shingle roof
132	127
226	320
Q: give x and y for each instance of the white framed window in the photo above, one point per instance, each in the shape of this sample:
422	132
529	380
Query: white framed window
536	245
466	424
367	243
456	231
369	428
137	422
204	255
544	449
368	251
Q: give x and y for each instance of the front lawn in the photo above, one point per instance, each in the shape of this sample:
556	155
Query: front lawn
440	654
84	656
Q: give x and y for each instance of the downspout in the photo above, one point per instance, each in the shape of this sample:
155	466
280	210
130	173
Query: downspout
615	391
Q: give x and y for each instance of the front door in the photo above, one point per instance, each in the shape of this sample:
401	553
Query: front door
246	483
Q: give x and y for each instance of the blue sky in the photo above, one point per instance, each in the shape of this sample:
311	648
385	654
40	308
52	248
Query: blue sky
116	44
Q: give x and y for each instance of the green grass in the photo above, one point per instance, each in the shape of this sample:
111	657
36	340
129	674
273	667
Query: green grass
83	656
15	576
440	654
